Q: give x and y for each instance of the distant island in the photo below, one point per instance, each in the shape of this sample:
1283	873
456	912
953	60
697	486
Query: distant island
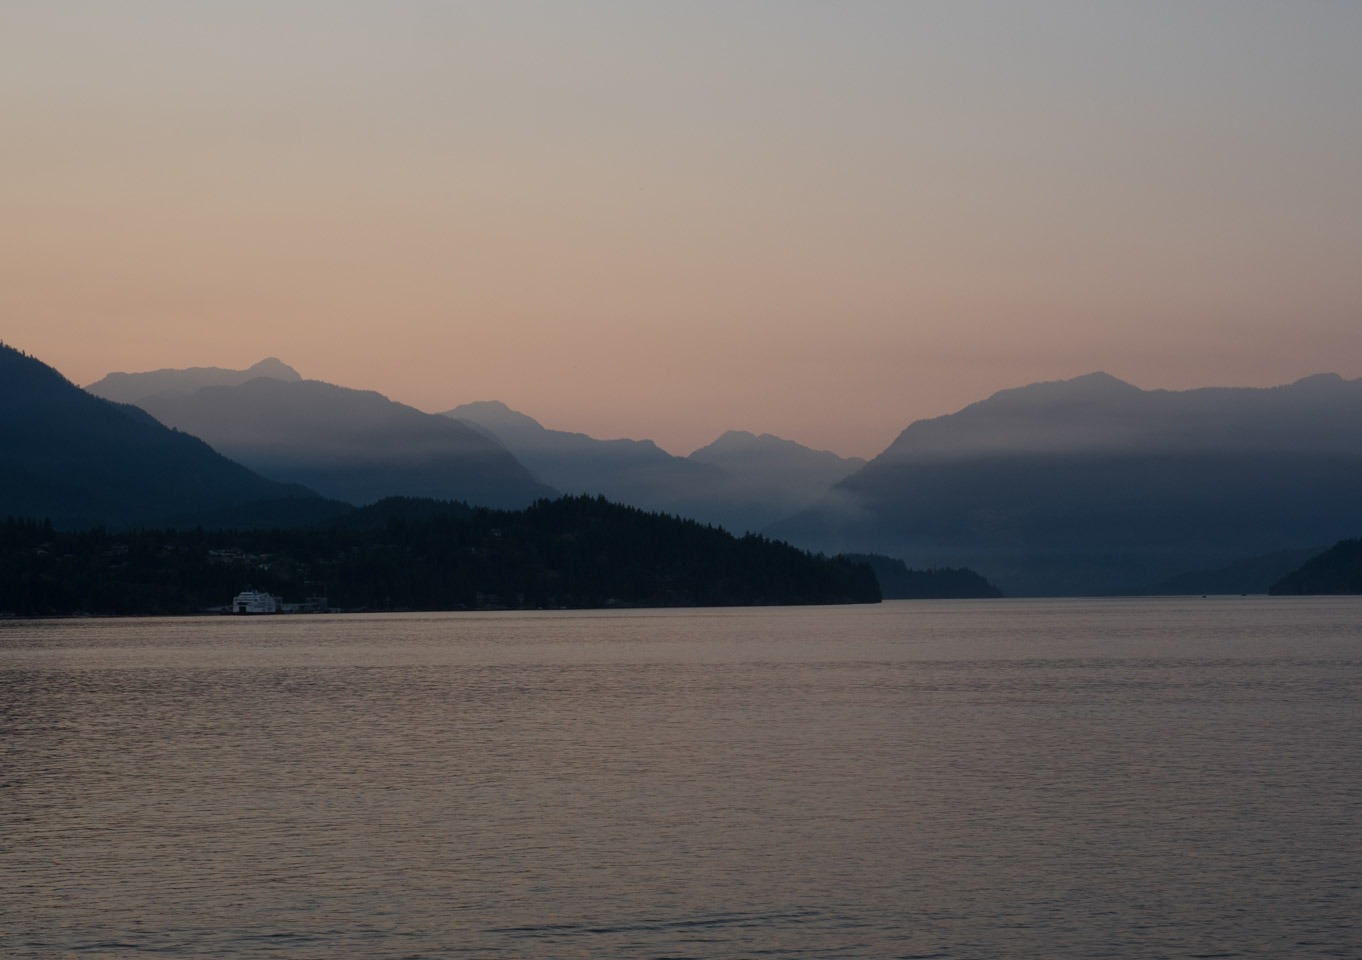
411	554
1337	570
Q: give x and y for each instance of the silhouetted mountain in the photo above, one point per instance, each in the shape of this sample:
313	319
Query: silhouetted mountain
135	387
769	477
1092	486
572	552
634	472
1337	570
1254	575
897	582
83	461
741	482
353	445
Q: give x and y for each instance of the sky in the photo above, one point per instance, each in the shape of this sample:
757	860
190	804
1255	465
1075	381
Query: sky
666	220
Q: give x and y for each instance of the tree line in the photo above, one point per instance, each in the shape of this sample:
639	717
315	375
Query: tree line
405	554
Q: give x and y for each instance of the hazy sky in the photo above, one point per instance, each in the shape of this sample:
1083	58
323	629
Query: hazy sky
822	220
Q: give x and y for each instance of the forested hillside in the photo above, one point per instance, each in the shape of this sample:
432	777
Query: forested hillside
422	555
1337	570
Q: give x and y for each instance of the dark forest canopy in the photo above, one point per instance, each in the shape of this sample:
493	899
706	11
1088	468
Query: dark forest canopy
898	582
1337	570
401	554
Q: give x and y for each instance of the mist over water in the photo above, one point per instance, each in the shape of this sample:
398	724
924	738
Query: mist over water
1148	778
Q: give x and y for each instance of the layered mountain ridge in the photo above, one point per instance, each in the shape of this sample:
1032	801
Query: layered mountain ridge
135	387
1092	485
80	460
742	481
353	445
1073	487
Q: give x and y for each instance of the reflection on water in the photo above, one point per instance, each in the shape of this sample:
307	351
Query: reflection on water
1017	778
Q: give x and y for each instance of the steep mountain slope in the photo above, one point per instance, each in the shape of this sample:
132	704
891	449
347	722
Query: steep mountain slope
354	445
635	472
1251	575
741	481
1337	570
1092	485
773	477
81	460
135	387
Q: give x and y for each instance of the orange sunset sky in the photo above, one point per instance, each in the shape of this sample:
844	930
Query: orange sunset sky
665	220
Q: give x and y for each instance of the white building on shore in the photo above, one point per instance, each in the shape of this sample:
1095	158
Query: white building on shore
254	601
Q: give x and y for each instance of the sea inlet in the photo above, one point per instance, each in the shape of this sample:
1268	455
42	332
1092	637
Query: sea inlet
1004	778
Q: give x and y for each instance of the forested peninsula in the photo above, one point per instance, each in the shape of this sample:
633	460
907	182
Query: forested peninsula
407	554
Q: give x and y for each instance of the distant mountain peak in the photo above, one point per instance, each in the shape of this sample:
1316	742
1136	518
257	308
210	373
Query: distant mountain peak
275	369
82	460
732	435
738	442
356	445
1100	379
1092	485
1096	384
1319	381
493	415
135	387
489	406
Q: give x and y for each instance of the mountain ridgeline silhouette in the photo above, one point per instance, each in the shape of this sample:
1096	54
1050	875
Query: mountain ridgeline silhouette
635	472
1092	486
741	482
359	446
1251	575
352	445
136	387
769	476
1077	487
1335	571
80	460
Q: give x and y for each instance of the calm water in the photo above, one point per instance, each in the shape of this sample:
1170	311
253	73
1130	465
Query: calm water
951	780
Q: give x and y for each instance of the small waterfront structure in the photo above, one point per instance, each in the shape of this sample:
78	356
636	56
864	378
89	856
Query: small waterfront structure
254	601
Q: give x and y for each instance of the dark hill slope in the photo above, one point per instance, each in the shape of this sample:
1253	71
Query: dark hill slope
354	445
1093	486
1337	570
1251	575
81	460
897	582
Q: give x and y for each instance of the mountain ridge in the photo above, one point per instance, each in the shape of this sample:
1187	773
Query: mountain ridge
1333	572
133	387
1092	485
82	460
353	445
741	481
